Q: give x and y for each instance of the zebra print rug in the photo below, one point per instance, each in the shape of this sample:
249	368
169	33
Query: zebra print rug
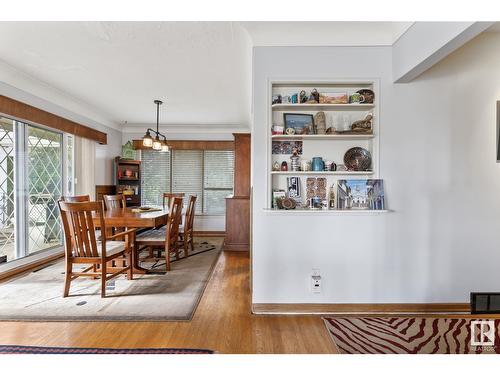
412	335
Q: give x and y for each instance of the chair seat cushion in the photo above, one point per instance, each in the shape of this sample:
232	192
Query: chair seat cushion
153	235
112	247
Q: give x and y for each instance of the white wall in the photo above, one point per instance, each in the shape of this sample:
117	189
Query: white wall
437	157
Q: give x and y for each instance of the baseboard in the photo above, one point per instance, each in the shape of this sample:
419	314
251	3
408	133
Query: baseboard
360	308
235	247
209	233
29	266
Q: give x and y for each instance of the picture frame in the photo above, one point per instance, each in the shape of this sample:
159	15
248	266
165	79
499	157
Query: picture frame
361	194
334	98
302	123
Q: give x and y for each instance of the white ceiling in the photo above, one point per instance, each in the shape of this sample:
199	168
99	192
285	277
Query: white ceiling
202	70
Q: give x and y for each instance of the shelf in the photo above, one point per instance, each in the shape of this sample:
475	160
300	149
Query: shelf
273	211
128	179
323	136
341	173
326	107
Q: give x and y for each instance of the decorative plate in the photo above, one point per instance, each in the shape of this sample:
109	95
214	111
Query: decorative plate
368	94
358	159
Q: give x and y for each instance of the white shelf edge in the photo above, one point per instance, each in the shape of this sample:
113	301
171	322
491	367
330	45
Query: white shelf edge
321	136
303	105
342	173
324	212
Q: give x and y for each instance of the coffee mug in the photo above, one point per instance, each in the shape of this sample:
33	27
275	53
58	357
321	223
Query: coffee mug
357	98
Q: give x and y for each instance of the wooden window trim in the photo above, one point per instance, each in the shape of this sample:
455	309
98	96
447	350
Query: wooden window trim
25	112
191	145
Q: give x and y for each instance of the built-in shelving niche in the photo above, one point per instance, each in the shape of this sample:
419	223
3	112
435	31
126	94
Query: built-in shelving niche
331	147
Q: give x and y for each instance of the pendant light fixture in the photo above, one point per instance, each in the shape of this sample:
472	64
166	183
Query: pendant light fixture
156	143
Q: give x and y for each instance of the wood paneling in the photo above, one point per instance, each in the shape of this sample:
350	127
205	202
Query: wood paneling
237	224
191	145
242	154
26	112
238	206
360	308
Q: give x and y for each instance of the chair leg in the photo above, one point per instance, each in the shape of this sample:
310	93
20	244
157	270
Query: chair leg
67	278
130	272
191	241
186	251
94	269
103	279
167	257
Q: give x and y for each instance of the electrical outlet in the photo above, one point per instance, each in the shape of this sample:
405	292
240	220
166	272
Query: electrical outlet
316	283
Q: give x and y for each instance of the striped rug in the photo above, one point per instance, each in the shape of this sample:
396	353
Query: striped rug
412	335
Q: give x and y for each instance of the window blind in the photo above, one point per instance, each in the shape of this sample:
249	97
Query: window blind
187	174
218	180
155	168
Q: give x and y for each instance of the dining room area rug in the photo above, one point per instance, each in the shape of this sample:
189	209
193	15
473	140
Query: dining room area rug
413	335
159	296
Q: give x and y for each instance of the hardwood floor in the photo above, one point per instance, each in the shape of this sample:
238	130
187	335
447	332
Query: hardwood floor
222	322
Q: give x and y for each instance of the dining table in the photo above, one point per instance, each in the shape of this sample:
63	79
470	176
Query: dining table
130	219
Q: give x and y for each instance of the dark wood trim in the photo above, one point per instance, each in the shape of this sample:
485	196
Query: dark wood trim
202	233
242	152
359	308
26	112
191	145
29	266
235	247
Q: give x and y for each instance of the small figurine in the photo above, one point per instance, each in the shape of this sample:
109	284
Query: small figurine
276	166
314	97
284	166
363	126
303	96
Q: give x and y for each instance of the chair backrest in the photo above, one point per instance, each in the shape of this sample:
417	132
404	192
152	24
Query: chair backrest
167	198
189	219
79	230
174	220
76	198
114	201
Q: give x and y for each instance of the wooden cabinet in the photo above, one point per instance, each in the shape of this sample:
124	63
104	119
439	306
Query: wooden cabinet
127	176
238	205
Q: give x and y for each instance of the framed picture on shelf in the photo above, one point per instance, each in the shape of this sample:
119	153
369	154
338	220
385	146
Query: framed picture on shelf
278	194
360	194
301	123
333	98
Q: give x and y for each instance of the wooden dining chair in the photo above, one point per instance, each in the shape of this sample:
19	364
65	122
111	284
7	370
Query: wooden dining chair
186	230
75	198
167	197
114	201
82	247
165	237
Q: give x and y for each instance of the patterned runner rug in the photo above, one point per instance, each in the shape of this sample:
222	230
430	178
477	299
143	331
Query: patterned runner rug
411	335
19	349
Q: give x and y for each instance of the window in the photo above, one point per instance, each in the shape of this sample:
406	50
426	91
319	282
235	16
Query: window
187	174
33	167
154	184
206	174
217	181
